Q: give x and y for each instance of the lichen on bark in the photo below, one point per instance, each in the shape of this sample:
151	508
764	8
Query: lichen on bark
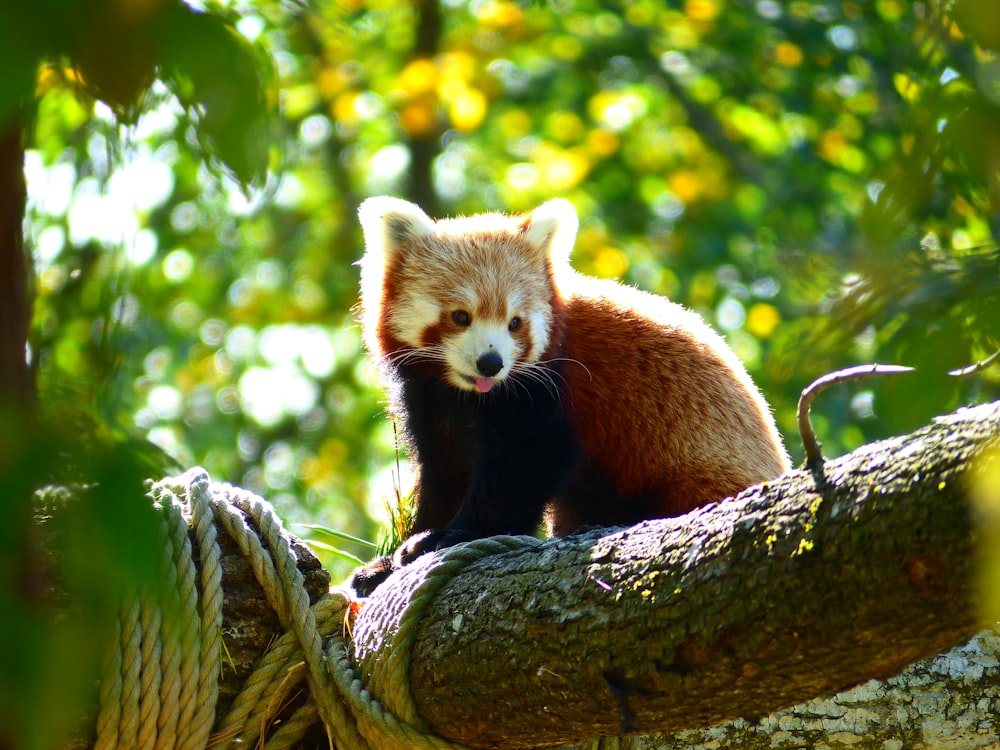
801	587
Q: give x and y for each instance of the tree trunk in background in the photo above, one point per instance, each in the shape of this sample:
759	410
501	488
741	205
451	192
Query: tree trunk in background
424	148
17	386
17	392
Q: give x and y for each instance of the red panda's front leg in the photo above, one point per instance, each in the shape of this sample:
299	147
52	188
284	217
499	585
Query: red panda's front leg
526	454
439	427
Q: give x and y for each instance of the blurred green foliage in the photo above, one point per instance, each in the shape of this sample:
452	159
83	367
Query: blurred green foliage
819	178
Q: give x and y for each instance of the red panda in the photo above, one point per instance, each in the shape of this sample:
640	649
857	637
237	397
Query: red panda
527	390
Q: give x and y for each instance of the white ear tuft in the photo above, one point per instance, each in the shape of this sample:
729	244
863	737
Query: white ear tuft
390	222
552	227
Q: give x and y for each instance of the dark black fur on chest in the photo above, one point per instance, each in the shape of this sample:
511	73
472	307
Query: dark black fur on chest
488	462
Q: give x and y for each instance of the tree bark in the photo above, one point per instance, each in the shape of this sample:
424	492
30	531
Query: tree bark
949	701
699	632
425	147
16	382
797	588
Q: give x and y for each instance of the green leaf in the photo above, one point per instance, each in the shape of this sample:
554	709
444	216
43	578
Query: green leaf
336	552
20	52
217	74
339	535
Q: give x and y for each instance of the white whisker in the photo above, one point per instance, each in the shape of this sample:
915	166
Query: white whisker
541	372
513	383
408	355
568	359
537	373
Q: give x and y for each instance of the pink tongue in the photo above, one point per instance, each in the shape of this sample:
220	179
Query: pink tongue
483	385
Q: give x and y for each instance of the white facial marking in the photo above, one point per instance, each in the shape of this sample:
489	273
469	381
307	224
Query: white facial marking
412	315
469	298
463	350
401	238
539	336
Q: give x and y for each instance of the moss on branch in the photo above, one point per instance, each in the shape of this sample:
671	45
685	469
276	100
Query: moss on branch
797	588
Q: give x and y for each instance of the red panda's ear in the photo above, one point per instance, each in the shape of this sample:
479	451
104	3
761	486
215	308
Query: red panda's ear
389	223
552	228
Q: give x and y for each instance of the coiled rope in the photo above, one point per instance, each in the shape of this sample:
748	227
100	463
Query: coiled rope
159	686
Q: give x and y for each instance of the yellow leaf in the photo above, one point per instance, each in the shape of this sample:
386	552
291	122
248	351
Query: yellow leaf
686	185
419	118
610	263
342	108
467	109
703	10
788	54
562	169
515	123
48	78
762	319
331	81
419	77
564	126
500	15
908	88
602	143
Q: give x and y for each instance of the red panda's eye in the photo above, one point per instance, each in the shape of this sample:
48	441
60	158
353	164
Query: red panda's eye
514	324
461	318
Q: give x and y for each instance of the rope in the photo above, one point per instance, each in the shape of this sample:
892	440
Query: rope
389	674
159	687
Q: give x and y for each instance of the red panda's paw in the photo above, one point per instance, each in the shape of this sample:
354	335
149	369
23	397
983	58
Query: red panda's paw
416	545
428	541
366	579
372	574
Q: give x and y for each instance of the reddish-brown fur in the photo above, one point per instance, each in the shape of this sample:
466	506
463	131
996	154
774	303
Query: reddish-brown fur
647	411
659	401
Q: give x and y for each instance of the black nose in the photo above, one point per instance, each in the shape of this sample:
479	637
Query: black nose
489	364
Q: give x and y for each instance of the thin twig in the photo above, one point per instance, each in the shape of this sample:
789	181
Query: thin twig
814	457
975	366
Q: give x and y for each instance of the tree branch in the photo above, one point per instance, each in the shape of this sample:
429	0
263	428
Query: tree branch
947	701
797	588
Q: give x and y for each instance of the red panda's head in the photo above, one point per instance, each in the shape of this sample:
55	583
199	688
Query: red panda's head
472	296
